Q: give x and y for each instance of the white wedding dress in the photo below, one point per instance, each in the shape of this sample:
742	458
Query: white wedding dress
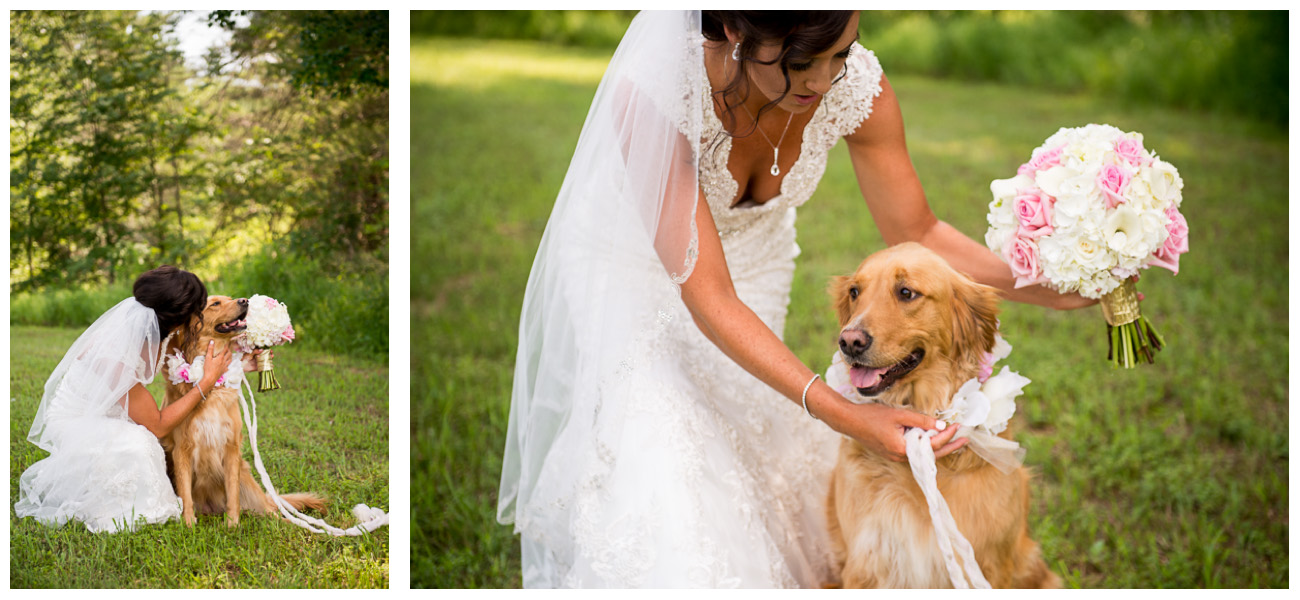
104	470
678	468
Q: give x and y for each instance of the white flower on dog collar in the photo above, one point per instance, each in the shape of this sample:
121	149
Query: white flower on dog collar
179	371
990	404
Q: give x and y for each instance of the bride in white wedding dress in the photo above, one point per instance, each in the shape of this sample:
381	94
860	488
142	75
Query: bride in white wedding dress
661	434
101	426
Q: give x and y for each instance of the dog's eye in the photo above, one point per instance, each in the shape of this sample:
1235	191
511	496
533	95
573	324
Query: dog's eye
907	293
853	293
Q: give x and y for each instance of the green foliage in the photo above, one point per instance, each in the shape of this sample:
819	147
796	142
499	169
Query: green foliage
96	111
1232	61
324	431
335	308
594	28
343	310
1171	475
1229	61
124	158
336	51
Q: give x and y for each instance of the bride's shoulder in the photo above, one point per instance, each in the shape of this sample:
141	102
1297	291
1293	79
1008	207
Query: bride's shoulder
854	96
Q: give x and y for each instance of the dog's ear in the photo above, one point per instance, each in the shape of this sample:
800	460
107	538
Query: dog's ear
975	316
839	292
187	336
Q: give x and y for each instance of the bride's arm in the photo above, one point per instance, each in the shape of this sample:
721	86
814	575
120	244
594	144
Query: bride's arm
741	335
144	411
893	193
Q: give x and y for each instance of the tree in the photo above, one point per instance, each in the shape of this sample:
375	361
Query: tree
93	113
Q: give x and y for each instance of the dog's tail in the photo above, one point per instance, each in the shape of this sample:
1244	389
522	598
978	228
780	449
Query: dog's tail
252	497
305	500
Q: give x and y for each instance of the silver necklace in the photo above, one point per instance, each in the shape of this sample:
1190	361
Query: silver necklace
776	148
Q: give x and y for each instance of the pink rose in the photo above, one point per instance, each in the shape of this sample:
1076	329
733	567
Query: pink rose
1033	209
1113	181
1175	244
288	333
1130	149
183	372
1022	255
986	367
1042	161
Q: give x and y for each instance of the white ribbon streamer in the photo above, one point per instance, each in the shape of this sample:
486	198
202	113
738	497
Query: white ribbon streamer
951	542
371	518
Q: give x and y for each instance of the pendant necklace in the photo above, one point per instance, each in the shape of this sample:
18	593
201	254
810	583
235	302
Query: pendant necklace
776	148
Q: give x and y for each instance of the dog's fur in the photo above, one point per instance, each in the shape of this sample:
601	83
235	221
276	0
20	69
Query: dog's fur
878	518
205	450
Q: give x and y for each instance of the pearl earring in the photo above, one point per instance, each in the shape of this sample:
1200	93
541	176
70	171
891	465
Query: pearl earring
735	52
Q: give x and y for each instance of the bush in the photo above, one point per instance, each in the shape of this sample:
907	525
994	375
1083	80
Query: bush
337	309
1230	61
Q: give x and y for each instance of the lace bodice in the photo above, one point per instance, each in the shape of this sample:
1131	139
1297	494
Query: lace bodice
842	110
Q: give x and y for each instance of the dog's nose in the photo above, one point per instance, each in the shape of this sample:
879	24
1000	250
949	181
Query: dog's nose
242	301
854	342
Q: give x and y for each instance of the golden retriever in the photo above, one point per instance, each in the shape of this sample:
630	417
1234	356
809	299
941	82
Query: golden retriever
205	450
913	330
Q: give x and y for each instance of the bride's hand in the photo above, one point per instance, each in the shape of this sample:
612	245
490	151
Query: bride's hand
215	363
250	360
881	429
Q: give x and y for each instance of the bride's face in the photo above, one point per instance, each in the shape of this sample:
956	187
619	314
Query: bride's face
809	80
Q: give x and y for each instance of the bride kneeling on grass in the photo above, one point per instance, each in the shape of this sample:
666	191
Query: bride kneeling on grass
99	423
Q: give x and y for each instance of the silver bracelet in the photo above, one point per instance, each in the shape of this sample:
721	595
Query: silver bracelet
199	387
805	395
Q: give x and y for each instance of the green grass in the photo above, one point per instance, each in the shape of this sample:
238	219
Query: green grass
1172	475
325	431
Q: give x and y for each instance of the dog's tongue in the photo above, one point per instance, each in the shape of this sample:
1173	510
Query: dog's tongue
865	377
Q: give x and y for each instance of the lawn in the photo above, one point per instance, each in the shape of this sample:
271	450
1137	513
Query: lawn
325	431
1172	475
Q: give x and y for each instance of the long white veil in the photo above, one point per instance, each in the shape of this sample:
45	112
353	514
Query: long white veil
118	351
620	239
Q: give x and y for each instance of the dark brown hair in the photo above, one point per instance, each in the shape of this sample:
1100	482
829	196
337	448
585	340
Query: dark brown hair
176	296
802	33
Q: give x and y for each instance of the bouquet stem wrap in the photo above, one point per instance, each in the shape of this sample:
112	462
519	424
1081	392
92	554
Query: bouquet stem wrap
267	380
1131	337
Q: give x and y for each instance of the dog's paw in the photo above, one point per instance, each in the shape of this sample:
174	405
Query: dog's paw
232	521
189	519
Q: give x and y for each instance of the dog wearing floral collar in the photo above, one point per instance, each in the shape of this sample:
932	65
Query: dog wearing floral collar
205	451
916	334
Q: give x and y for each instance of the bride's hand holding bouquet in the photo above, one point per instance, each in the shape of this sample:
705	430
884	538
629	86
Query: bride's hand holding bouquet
1090	209
268	326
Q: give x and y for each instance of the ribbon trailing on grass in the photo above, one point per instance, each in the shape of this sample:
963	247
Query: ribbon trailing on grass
370	518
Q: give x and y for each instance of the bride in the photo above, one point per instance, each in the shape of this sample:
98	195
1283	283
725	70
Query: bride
99	423
661	434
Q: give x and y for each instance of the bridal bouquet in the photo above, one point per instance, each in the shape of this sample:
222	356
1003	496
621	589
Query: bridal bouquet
1089	210
268	325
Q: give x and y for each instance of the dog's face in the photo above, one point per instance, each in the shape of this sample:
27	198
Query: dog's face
906	315
223	317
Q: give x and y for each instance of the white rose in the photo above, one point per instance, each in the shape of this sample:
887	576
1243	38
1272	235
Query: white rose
1166	184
